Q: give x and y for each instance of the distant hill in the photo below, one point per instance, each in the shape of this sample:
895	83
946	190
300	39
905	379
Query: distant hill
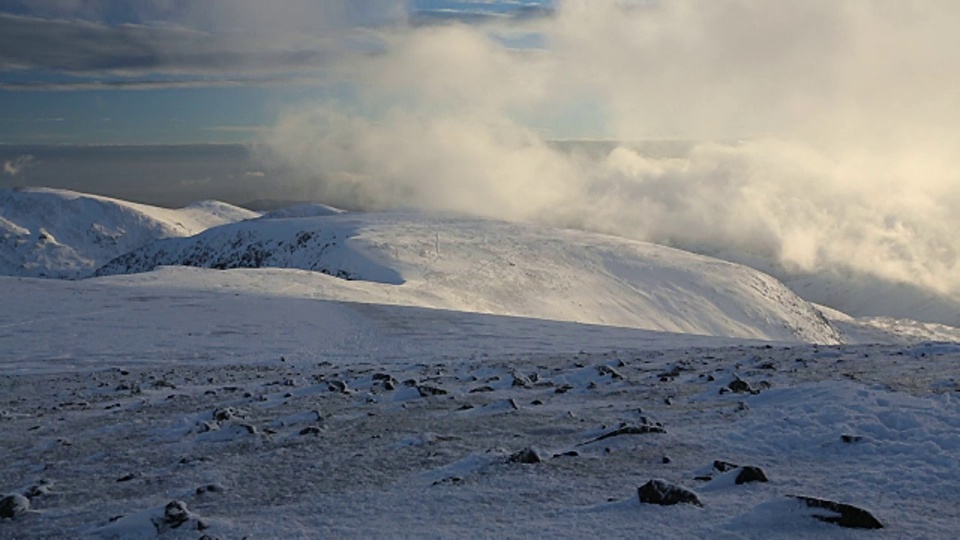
477	265
64	234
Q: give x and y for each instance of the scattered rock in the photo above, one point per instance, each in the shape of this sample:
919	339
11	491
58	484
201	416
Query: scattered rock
749	474
426	391
39	490
210	488
175	514
607	370
337	386
129	477
521	381
661	492
723	466
740	386
223	414
845	515
628	430
14	506
527	455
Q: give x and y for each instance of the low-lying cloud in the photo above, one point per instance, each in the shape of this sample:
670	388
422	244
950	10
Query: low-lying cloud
822	135
13	167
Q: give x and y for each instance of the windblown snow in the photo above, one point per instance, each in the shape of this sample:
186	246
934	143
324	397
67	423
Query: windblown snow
64	234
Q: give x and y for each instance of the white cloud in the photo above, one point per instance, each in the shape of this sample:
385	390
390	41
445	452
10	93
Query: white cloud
16	166
839	119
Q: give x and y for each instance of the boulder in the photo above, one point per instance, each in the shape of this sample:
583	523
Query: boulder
527	455
14	506
661	492
844	515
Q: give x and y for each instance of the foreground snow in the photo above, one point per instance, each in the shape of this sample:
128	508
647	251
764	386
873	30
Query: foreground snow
274	416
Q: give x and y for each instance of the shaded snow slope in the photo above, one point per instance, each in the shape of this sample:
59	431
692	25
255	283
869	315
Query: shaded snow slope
485	266
65	234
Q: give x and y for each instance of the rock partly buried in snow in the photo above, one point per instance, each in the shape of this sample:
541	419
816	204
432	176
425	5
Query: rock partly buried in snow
527	455
726	472
740	386
628	430
427	391
175	514
661	492
841	514
750	474
14	506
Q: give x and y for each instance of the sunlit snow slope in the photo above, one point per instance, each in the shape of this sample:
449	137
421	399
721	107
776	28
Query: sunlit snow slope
64	234
475	265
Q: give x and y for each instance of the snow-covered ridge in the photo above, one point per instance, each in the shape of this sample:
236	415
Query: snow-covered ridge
64	234
477	265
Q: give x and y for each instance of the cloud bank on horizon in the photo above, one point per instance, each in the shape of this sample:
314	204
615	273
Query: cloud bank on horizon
825	131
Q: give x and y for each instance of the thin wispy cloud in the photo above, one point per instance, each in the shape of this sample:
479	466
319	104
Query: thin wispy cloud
14	167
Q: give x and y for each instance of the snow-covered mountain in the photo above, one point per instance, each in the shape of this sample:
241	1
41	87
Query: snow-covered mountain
477	265
65	234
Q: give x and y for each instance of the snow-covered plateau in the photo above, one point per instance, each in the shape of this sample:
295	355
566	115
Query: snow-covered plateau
321	374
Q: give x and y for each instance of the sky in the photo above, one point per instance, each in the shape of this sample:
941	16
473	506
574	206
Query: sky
816	136
178	71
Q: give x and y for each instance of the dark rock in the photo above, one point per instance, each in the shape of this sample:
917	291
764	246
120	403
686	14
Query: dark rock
564	388
628	430
389	385
480	389
673	373
521	381
337	386
850	439
381	377
740	386
724	466
607	370
14	506
128	477
448	480
310	430
175	514
661	492
845	515
223	414
571	453
209	488
38	490
749	474
527	455
665	460
426	391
